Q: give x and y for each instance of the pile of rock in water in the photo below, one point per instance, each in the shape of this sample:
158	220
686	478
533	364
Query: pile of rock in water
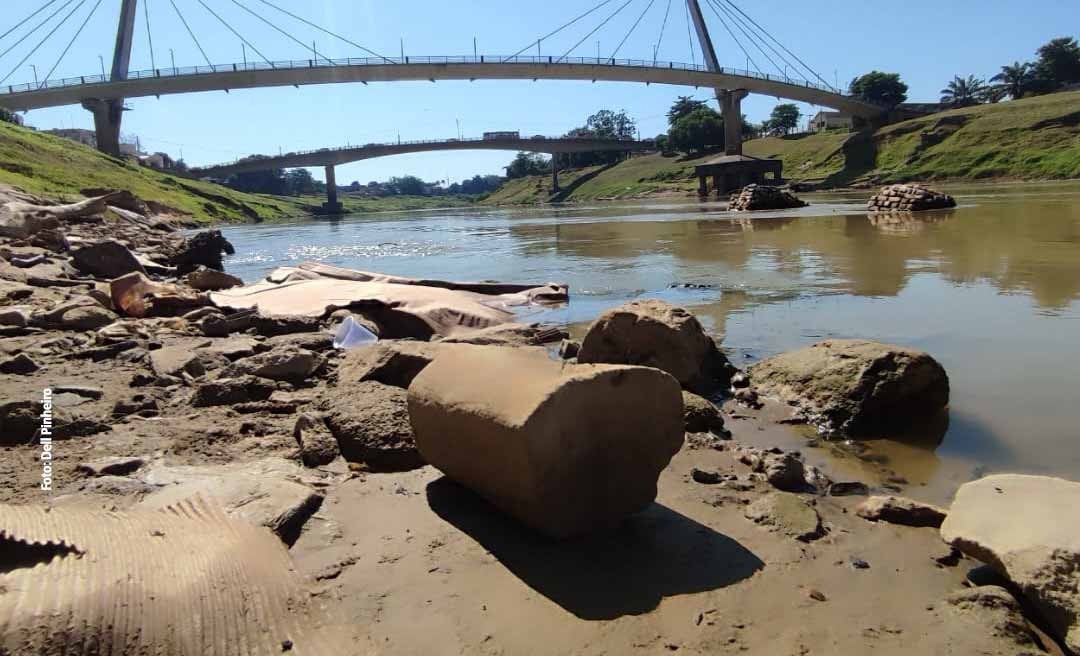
763	197
909	198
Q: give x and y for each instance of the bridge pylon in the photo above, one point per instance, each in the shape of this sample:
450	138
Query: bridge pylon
109	113
730	99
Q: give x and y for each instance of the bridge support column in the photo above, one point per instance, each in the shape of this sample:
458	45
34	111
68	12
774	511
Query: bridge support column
107	118
331	206
731	109
554	173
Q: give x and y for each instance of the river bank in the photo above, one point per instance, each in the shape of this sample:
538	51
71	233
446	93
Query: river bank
188	398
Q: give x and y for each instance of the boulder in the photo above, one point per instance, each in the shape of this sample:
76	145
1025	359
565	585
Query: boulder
135	295
18	316
855	387
993	611
111	466
701	415
396	362
175	360
317	444
204	248
763	197
370	422
909	198
1026	528
20	364
784	471
900	510
288	362
211	280
564	448
230	391
788	514
653	333
86	317
106	259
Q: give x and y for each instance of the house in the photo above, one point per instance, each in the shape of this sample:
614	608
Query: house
831	121
85	137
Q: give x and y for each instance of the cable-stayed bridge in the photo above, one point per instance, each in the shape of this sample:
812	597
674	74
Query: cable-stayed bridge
104	94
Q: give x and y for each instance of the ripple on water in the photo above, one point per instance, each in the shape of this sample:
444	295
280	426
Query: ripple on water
322	252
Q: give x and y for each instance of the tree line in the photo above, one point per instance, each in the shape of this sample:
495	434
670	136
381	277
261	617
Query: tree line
1057	65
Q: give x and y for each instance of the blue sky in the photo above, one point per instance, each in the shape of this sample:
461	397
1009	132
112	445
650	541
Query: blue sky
926	41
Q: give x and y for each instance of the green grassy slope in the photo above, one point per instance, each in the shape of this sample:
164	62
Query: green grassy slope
57	168
1035	138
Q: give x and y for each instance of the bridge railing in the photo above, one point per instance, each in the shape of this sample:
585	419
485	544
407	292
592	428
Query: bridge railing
390	61
413	142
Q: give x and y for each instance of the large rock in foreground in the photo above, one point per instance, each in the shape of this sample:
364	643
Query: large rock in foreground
653	333
1026	527
856	387
566	449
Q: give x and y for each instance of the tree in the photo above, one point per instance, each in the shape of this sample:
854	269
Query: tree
606	124
698	130
267	181
8	116
408	185
526	164
299	182
1059	61
785	117
1013	81
683	106
882	88
961	92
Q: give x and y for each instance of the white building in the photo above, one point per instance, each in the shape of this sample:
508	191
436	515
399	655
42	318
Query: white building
830	121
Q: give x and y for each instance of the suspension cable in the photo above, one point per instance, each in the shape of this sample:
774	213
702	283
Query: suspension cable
238	35
70	43
149	38
749	31
302	44
632	28
594	31
739	43
23	21
38	27
190	32
690	36
766	33
46	38
326	31
660	39
749	37
556	31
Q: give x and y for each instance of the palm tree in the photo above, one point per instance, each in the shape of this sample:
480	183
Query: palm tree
960	92
1013	81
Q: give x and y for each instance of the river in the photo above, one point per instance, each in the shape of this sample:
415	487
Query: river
991	289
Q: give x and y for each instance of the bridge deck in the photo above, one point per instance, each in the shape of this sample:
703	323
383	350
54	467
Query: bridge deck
165	81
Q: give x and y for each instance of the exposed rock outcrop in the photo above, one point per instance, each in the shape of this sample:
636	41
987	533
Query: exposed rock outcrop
763	197
1025	527
855	387
909	198
564	448
370	422
653	333
701	415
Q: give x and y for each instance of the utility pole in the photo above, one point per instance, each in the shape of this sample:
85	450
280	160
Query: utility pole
102	60
172	58
35	75
243	51
402	48
474	56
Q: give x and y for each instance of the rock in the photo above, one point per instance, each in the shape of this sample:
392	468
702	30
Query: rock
264	492
139	404
230	391
855	387
106	259
272	326
87	317
80	390
320	342
748	397
135	295
848	489
653	333
701	416
995	612
788	514
909	198
507	334
393	363
900	510
22	225
740	380
176	360
784	471
20	364
205	248
370	422
564	448
121	198
706	477
763	197
211	280
201	313
288	363
317	444
18	316
214	325
234	348
114	466
1026	528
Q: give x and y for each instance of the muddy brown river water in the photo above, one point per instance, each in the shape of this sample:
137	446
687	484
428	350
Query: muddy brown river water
991	289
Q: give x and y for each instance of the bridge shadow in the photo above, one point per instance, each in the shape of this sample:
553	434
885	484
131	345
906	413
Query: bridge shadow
566	190
656	554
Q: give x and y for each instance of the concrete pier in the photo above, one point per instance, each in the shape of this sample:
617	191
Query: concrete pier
331	206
